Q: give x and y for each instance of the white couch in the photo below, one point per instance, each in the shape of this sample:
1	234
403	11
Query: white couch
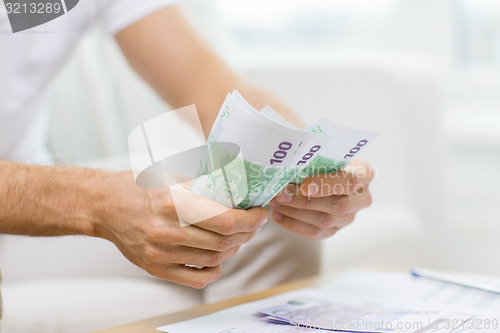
76	284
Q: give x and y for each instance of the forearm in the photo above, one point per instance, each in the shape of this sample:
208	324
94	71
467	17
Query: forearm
48	201
165	50
209	98
211	81
210	87
143	224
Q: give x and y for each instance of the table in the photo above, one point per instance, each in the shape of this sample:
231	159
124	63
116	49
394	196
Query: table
150	325
388	284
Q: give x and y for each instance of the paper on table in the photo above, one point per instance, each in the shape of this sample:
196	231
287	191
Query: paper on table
239	319
395	289
316	312
401	288
390	287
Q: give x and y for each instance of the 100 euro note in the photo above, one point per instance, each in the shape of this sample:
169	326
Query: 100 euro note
308	149
346	144
316	312
268	157
272	153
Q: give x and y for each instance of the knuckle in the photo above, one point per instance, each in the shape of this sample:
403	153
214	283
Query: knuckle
203	280
248	237
315	233
223	244
293	226
342	205
155	270
352	182
254	226
258	219
227	225
292	211
151	255
177	235
155	233
360	190
164	203
326	221
216	275
199	283
306	203
371	172
214	259
369	200
332	232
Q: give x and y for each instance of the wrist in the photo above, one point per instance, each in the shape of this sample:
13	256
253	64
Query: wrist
114	199
101	196
79	201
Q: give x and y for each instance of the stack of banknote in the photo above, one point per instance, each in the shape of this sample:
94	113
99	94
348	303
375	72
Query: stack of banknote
252	155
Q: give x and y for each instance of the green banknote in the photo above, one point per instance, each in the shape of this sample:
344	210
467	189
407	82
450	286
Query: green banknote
271	154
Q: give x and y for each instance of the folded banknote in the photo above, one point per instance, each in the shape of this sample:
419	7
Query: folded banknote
252	155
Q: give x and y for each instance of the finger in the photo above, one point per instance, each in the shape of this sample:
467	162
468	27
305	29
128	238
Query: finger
334	204
315	218
355	177
188	276
305	229
209	240
192	208
156	255
195	237
236	221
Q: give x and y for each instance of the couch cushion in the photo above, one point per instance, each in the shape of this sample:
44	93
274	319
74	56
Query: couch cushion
49	305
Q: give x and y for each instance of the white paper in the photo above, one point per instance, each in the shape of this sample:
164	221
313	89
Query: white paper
462	310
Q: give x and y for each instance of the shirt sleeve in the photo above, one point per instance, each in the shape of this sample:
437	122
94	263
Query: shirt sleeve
116	15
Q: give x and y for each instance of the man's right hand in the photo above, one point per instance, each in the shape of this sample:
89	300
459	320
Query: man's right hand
143	224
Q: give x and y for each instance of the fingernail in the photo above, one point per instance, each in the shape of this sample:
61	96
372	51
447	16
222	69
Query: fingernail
284	197
313	188
264	220
278	216
275	203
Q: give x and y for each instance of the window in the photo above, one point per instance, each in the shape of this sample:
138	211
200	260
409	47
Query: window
478	33
461	37
306	23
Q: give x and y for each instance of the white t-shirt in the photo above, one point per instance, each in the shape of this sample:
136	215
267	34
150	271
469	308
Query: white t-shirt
30	59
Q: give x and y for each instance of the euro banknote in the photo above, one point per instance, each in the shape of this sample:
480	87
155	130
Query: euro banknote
272	152
324	314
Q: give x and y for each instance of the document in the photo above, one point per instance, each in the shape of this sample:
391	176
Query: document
362	301
398	288
244	318
317	312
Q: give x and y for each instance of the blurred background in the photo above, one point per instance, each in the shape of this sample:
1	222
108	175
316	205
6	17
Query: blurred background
425	74
459	43
449	47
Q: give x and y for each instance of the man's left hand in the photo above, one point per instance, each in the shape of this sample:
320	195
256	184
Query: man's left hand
325	203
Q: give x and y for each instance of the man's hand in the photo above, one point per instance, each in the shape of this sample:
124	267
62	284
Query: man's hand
323	204
144	226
